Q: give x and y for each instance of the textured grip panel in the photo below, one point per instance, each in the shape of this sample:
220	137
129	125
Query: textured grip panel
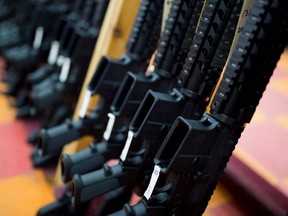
146	30
190	32
253	61
178	31
224	47
210	48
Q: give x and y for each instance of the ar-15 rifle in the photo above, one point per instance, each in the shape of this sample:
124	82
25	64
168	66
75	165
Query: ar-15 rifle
46	75
142	43
139	163
60	27
171	53
81	46
193	156
38	97
58	101
49	71
167	43
106	81
23	59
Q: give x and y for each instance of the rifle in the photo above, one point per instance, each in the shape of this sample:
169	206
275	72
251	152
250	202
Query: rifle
76	60
153	118
51	65
63	42
166	64
22	59
70	80
106	81
115	135
119	174
145	32
170	56
59	41
71	41
194	154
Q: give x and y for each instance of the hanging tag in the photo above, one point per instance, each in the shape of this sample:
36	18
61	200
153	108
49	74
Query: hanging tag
54	50
38	37
110	125
153	181
85	103
65	70
127	146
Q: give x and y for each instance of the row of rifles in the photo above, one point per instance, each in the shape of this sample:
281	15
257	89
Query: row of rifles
172	128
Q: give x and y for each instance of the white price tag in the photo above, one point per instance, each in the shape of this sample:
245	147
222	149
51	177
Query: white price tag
153	181
65	70
110	125
54	50
127	146
38	37
85	104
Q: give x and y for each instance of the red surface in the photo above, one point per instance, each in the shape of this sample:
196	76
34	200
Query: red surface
227	209
14	150
265	140
250	189
271	158
273	103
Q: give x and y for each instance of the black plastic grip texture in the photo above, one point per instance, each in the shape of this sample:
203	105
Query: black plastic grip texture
221	54
223	50
190	31
252	63
88	159
146	30
199	76
93	184
54	138
167	61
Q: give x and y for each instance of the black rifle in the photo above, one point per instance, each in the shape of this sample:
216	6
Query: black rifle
154	116
24	58
167	60
142	43
61	98
172	50
48	70
106	81
65	89
60	39
73	40
193	156
128	169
